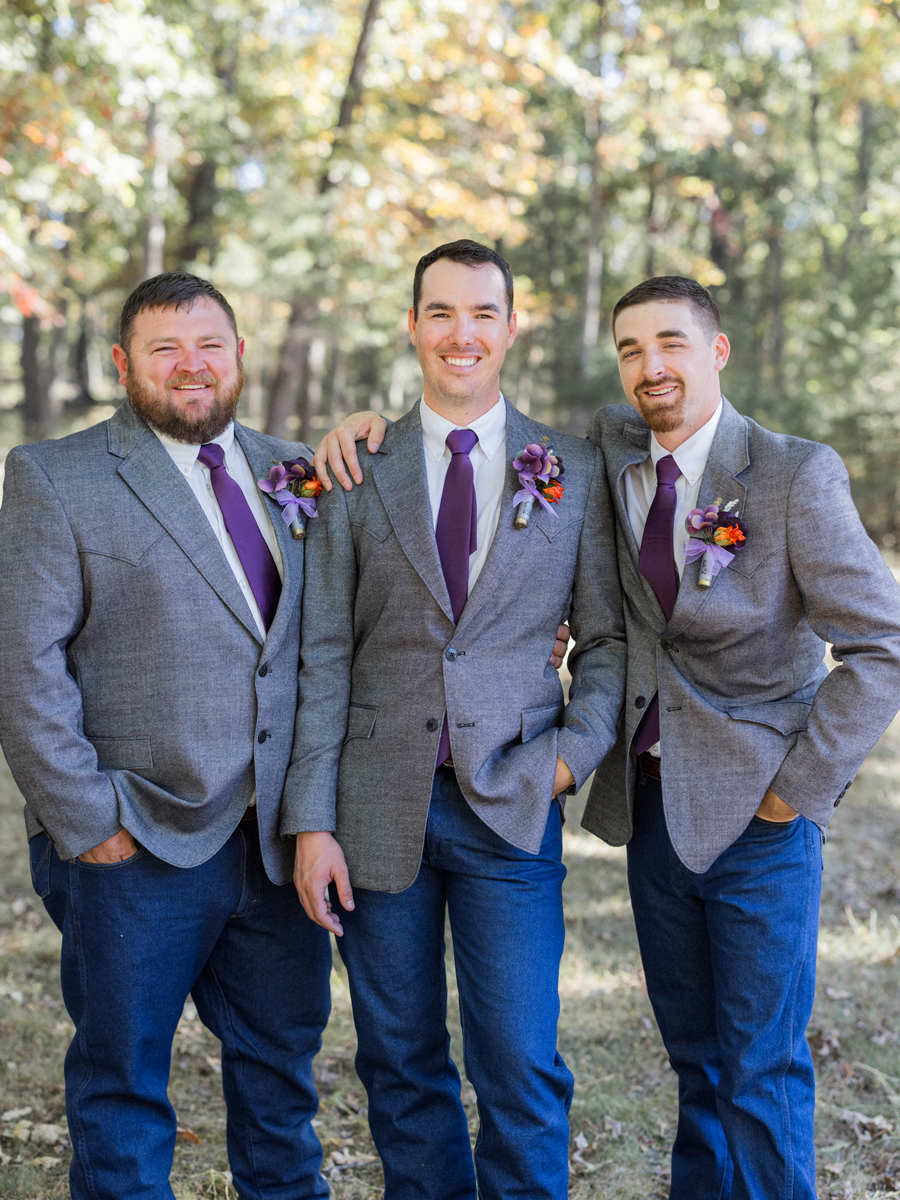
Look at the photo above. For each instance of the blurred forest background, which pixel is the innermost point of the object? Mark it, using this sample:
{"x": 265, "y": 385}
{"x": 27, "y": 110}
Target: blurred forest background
{"x": 303, "y": 156}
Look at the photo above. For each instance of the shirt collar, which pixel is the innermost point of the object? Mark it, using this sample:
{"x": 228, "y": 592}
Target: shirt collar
{"x": 490, "y": 427}
{"x": 691, "y": 455}
{"x": 185, "y": 454}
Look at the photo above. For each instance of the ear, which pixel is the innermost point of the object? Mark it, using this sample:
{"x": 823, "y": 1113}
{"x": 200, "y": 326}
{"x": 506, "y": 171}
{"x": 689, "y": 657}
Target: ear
{"x": 120, "y": 358}
{"x": 240, "y": 347}
{"x": 722, "y": 348}
{"x": 513, "y": 328}
{"x": 411, "y": 326}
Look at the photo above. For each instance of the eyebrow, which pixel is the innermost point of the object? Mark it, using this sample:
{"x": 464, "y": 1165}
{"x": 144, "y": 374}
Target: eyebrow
{"x": 206, "y": 337}
{"x": 436, "y": 305}
{"x": 661, "y": 336}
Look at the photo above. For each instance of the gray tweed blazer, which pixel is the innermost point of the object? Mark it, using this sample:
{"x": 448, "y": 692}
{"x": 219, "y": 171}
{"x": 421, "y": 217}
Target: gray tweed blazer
{"x": 135, "y": 691}
{"x": 382, "y": 660}
{"x": 745, "y": 699}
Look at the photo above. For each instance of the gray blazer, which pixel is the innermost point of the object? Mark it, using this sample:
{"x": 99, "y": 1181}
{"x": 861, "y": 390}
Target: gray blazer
{"x": 135, "y": 691}
{"x": 745, "y": 699}
{"x": 382, "y": 660}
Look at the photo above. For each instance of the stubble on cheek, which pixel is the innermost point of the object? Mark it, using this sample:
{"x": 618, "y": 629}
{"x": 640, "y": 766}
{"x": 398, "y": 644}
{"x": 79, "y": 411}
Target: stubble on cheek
{"x": 158, "y": 409}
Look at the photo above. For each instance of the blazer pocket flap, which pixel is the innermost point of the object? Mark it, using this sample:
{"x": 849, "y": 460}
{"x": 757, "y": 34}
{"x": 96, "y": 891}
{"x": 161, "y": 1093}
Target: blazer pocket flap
{"x": 536, "y": 720}
{"x": 787, "y": 716}
{"x": 126, "y": 545}
{"x": 375, "y": 524}
{"x": 123, "y": 753}
{"x": 360, "y": 721}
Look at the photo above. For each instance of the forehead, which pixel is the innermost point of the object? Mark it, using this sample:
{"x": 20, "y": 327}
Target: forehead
{"x": 448, "y": 281}
{"x": 204, "y": 318}
{"x": 646, "y": 321}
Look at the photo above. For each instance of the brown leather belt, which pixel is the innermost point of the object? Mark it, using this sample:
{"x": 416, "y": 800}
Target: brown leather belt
{"x": 650, "y": 766}
{"x": 250, "y": 813}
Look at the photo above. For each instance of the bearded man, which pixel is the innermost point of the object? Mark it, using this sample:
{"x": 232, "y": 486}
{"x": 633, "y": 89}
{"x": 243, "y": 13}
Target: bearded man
{"x": 148, "y": 684}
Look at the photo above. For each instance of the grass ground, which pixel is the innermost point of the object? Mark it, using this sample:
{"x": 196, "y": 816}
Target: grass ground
{"x": 624, "y": 1110}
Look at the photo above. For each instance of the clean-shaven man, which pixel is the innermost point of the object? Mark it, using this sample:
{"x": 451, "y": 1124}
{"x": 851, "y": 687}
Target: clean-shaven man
{"x": 737, "y": 744}
{"x": 434, "y": 739}
{"x": 149, "y": 626}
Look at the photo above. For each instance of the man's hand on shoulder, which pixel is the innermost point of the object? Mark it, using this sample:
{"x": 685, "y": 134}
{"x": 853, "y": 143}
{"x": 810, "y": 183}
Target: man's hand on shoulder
{"x": 318, "y": 860}
{"x": 115, "y": 849}
{"x": 338, "y": 448}
{"x": 773, "y": 808}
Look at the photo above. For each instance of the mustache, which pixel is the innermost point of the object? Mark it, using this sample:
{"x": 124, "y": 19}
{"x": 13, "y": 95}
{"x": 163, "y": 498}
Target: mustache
{"x": 203, "y": 377}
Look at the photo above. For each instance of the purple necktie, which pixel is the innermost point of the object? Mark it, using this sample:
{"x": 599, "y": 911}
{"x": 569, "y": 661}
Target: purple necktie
{"x": 256, "y": 557}
{"x": 657, "y": 564}
{"x": 457, "y": 534}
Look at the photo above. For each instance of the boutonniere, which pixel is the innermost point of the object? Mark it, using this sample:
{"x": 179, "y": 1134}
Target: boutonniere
{"x": 293, "y": 484}
{"x": 717, "y": 534}
{"x": 539, "y": 470}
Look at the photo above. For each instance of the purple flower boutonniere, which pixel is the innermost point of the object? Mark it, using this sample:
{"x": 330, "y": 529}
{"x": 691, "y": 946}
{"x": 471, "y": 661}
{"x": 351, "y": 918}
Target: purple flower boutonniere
{"x": 539, "y": 470}
{"x": 717, "y": 534}
{"x": 294, "y": 485}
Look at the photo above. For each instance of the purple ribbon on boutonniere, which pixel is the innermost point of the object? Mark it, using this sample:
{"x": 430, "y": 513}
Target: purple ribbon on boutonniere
{"x": 539, "y": 470}
{"x": 294, "y": 485}
{"x": 716, "y": 535}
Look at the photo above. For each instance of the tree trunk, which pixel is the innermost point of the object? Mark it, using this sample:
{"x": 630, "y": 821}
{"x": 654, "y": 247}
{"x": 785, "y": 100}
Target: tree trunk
{"x": 155, "y": 225}
{"x": 290, "y": 392}
{"x": 776, "y": 352}
{"x": 35, "y": 407}
{"x": 199, "y": 240}
{"x": 594, "y": 274}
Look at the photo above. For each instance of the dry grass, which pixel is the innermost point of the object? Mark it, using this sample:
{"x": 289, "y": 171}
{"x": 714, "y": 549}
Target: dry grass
{"x": 624, "y": 1110}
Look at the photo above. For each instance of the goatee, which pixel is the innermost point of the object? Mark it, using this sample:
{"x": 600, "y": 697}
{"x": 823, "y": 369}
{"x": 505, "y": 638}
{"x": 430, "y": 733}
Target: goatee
{"x": 662, "y": 418}
{"x": 157, "y": 408}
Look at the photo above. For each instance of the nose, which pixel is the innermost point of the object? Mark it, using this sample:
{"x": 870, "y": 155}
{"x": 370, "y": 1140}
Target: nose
{"x": 192, "y": 360}
{"x": 654, "y": 364}
{"x": 463, "y": 331}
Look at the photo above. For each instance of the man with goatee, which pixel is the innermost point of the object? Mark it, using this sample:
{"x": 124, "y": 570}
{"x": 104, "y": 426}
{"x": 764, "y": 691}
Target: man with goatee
{"x": 149, "y": 626}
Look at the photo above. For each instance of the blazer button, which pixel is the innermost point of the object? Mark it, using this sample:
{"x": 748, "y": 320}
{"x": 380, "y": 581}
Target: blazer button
{"x": 640, "y": 701}
{"x": 431, "y": 724}
{"x": 263, "y": 734}
{"x": 263, "y": 671}
{"x": 450, "y": 655}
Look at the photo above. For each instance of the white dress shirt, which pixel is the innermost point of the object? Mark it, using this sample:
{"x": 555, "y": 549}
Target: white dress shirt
{"x": 640, "y": 489}
{"x": 640, "y": 483}
{"x": 488, "y": 460}
{"x": 184, "y": 456}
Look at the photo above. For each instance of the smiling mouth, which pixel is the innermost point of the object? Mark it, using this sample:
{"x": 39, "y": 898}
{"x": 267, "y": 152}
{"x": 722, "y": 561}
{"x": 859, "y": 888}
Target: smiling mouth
{"x": 660, "y": 393}
{"x": 460, "y": 362}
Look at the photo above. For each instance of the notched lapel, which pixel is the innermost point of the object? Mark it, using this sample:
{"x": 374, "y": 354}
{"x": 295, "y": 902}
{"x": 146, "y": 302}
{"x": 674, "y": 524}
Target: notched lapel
{"x": 259, "y": 456}
{"x": 159, "y": 485}
{"x": 631, "y": 449}
{"x": 399, "y": 476}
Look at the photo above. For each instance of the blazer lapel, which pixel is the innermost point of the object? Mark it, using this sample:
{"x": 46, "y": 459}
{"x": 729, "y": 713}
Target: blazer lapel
{"x": 631, "y": 448}
{"x": 259, "y": 456}
{"x": 728, "y": 457}
{"x": 159, "y": 485}
{"x": 399, "y": 475}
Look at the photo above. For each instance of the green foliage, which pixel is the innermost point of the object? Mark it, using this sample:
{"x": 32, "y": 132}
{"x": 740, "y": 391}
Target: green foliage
{"x": 750, "y": 144}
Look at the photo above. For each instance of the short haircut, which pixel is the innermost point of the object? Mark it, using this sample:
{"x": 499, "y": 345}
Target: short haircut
{"x": 174, "y": 289}
{"x": 470, "y": 254}
{"x": 669, "y": 288}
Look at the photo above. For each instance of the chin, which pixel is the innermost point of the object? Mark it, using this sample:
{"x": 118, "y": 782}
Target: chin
{"x": 662, "y": 420}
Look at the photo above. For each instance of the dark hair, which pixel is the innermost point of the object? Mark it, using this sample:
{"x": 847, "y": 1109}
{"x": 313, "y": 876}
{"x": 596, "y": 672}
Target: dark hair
{"x": 470, "y": 254}
{"x": 674, "y": 287}
{"x": 174, "y": 289}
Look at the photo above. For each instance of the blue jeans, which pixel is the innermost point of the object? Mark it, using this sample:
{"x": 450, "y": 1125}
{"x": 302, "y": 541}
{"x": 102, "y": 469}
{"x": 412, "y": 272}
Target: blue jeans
{"x": 730, "y": 962}
{"x": 505, "y": 909}
{"x": 138, "y": 936}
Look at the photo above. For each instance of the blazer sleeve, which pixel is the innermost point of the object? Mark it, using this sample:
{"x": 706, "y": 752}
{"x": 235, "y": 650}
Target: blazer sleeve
{"x": 853, "y": 601}
{"x": 597, "y": 660}
{"x": 42, "y": 607}
{"x": 309, "y": 801}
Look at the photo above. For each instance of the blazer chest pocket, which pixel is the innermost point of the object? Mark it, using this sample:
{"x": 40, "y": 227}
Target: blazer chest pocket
{"x": 536, "y": 720}
{"x": 123, "y": 753}
{"x": 360, "y": 721}
{"x": 375, "y": 524}
{"x": 125, "y": 545}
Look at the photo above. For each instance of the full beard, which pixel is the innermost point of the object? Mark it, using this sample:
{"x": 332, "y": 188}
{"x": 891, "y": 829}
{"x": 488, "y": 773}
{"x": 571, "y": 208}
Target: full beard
{"x": 662, "y": 418}
{"x": 157, "y": 409}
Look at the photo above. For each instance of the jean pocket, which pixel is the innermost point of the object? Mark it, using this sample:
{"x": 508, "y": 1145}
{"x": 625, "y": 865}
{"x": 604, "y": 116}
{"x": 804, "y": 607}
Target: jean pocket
{"x": 761, "y": 825}
{"x": 111, "y": 866}
{"x": 40, "y": 849}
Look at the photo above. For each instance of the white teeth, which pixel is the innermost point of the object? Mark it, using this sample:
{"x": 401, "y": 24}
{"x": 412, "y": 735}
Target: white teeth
{"x": 461, "y": 362}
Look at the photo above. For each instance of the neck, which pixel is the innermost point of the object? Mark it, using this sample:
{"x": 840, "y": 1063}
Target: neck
{"x": 461, "y": 410}
{"x": 673, "y": 438}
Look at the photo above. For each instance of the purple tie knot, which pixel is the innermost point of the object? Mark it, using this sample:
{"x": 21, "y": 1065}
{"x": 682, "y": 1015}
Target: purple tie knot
{"x": 667, "y": 471}
{"x": 211, "y": 455}
{"x": 461, "y": 441}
